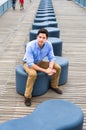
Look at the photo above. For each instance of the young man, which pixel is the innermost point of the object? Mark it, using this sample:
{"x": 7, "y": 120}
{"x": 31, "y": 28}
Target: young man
{"x": 36, "y": 51}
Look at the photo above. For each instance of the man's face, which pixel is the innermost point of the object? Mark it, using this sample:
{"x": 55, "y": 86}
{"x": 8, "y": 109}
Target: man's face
{"x": 41, "y": 38}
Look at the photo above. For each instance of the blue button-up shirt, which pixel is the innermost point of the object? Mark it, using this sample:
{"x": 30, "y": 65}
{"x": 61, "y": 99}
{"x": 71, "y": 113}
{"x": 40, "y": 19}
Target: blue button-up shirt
{"x": 34, "y": 54}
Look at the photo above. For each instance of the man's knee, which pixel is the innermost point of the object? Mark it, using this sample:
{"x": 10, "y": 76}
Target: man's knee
{"x": 57, "y": 67}
{"x": 33, "y": 73}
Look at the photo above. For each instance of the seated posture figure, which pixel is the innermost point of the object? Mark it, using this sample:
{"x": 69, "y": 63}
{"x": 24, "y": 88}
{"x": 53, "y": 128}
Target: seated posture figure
{"x": 36, "y": 51}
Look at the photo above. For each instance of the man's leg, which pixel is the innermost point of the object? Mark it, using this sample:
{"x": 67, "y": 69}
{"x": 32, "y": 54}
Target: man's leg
{"x": 32, "y": 74}
{"x": 55, "y": 79}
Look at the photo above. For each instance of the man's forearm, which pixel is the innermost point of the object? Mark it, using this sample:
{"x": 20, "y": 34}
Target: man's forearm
{"x": 51, "y": 64}
{"x": 48, "y": 70}
{"x": 36, "y": 67}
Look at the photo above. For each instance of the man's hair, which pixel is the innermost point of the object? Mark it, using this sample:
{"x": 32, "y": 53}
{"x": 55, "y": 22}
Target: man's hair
{"x": 42, "y": 30}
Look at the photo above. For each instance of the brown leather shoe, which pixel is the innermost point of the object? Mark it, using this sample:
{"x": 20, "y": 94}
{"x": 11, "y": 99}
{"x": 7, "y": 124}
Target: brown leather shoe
{"x": 57, "y": 90}
{"x": 27, "y": 101}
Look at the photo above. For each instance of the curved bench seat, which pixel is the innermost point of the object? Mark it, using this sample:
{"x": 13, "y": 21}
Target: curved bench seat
{"x": 42, "y": 82}
{"x": 45, "y": 11}
{"x": 45, "y": 15}
{"x": 50, "y": 115}
{"x": 44, "y": 24}
{"x": 52, "y": 32}
{"x": 44, "y": 19}
{"x": 41, "y": 85}
{"x": 57, "y": 45}
{"x": 64, "y": 63}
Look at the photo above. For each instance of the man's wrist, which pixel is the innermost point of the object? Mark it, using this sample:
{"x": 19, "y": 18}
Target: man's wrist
{"x": 50, "y": 67}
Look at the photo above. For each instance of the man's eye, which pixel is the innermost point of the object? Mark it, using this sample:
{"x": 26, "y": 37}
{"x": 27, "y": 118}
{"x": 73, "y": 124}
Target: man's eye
{"x": 42, "y": 37}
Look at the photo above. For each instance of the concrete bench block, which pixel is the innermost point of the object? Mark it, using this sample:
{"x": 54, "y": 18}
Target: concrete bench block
{"x": 57, "y": 45}
{"x": 41, "y": 84}
{"x": 44, "y": 24}
{"x": 64, "y": 63}
{"x": 44, "y": 19}
{"x": 45, "y": 11}
{"x": 52, "y": 32}
{"x": 45, "y": 4}
{"x": 45, "y": 15}
{"x": 49, "y": 115}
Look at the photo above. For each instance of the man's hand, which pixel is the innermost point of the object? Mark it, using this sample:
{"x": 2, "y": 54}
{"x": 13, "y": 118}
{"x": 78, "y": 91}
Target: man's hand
{"x": 50, "y": 71}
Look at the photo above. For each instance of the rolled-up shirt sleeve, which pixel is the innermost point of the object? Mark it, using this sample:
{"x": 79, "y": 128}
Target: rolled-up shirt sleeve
{"x": 51, "y": 56}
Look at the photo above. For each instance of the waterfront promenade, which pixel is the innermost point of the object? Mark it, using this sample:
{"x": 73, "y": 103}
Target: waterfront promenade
{"x": 14, "y": 33}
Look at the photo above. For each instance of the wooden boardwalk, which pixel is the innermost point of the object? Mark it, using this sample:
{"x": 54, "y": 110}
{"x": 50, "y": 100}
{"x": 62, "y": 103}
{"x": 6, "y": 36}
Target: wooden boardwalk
{"x": 14, "y": 31}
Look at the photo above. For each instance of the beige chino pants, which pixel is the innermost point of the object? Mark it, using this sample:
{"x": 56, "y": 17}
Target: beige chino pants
{"x": 32, "y": 74}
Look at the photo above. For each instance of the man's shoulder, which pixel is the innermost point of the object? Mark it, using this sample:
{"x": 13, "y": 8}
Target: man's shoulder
{"x": 31, "y": 43}
{"x": 48, "y": 42}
